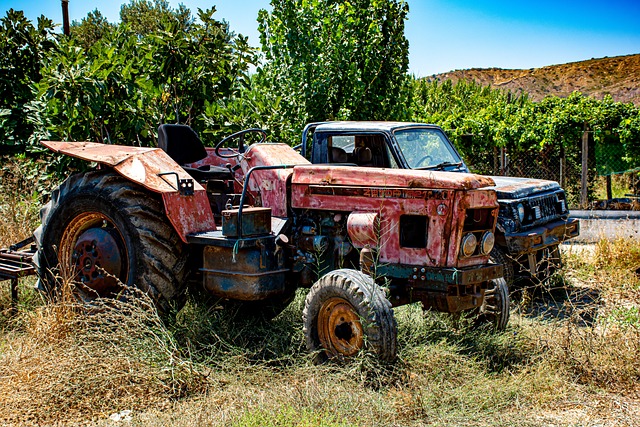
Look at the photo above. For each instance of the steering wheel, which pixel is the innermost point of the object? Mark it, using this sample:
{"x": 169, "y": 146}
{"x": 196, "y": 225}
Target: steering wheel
{"x": 422, "y": 160}
{"x": 241, "y": 147}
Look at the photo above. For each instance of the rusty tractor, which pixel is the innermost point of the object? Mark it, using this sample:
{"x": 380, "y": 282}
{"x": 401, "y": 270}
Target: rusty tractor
{"x": 253, "y": 223}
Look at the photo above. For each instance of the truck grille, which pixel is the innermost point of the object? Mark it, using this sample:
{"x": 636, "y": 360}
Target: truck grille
{"x": 544, "y": 208}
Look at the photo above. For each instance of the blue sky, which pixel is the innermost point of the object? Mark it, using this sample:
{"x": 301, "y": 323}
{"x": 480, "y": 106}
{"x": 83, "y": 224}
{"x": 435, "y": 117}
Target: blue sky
{"x": 448, "y": 35}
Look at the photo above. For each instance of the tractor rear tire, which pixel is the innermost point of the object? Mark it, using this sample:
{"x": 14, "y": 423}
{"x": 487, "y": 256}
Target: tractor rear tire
{"x": 495, "y": 307}
{"x": 102, "y": 231}
{"x": 346, "y": 311}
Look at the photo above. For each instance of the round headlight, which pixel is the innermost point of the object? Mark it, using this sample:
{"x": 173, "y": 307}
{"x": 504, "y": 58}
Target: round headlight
{"x": 520, "y": 209}
{"x": 486, "y": 242}
{"x": 468, "y": 245}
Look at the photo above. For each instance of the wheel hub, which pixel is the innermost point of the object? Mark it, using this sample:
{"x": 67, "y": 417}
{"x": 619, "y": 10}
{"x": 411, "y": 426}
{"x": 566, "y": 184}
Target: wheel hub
{"x": 339, "y": 328}
{"x": 97, "y": 260}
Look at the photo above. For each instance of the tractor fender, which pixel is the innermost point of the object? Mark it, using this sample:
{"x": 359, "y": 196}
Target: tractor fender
{"x": 154, "y": 170}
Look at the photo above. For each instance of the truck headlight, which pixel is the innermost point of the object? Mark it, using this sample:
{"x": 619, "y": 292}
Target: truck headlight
{"x": 520, "y": 209}
{"x": 468, "y": 245}
{"x": 486, "y": 242}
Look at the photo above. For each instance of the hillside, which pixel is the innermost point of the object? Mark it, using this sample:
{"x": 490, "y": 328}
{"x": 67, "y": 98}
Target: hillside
{"x": 618, "y": 76}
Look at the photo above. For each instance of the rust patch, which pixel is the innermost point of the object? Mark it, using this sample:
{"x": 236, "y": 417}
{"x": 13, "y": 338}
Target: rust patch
{"x": 187, "y": 214}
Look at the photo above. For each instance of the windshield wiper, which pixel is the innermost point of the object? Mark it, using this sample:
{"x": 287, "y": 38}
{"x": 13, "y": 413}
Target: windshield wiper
{"x": 441, "y": 166}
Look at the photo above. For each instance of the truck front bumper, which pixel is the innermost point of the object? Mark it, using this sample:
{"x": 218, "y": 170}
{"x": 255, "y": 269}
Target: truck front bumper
{"x": 541, "y": 237}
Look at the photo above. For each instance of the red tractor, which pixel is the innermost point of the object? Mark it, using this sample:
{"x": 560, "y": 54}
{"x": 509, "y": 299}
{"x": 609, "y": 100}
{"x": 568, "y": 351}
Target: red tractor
{"x": 253, "y": 224}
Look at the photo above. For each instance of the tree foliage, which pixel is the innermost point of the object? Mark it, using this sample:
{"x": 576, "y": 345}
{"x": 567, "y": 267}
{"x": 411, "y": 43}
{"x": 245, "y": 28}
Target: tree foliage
{"x": 91, "y": 29}
{"x": 23, "y": 50}
{"x": 329, "y": 59}
{"x": 124, "y": 84}
{"x": 500, "y": 119}
{"x": 144, "y": 17}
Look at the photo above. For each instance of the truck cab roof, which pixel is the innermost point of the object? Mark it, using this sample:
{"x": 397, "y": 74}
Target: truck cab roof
{"x": 368, "y": 126}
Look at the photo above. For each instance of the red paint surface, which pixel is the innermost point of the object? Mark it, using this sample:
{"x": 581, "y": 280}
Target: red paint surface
{"x": 188, "y": 214}
{"x": 270, "y": 186}
{"x": 363, "y": 229}
{"x": 387, "y": 196}
{"x": 377, "y": 177}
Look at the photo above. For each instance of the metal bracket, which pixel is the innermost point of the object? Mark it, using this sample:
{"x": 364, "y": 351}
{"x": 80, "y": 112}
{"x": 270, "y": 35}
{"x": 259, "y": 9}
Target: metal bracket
{"x": 184, "y": 186}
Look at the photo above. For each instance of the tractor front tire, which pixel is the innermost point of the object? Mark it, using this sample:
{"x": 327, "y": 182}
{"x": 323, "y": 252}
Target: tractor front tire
{"x": 346, "y": 311}
{"x": 106, "y": 234}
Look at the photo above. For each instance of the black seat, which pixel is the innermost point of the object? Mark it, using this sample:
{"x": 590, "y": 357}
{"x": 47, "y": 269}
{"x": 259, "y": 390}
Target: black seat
{"x": 362, "y": 156}
{"x": 184, "y": 146}
{"x": 338, "y": 155}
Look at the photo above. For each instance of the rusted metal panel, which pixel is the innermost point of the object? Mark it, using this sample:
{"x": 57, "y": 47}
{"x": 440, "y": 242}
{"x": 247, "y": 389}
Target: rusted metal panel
{"x": 140, "y": 165}
{"x": 543, "y": 236}
{"x": 94, "y": 151}
{"x": 475, "y": 199}
{"x": 269, "y": 187}
{"x": 153, "y": 169}
{"x": 244, "y": 273}
{"x": 389, "y": 209}
{"x": 445, "y": 210}
{"x": 364, "y": 229}
{"x": 255, "y": 221}
{"x": 514, "y": 188}
{"x": 377, "y": 177}
{"x": 189, "y": 214}
{"x": 443, "y": 289}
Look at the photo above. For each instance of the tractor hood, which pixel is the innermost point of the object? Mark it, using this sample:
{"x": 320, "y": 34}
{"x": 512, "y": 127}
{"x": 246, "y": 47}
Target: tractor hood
{"x": 518, "y": 188}
{"x": 399, "y": 178}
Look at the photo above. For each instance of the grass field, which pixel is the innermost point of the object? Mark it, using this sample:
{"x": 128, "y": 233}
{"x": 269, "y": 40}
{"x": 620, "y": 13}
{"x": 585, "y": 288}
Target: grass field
{"x": 570, "y": 356}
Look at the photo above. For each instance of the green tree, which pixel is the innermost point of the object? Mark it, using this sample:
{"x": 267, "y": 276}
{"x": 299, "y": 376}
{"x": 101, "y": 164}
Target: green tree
{"x": 145, "y": 16}
{"x": 329, "y": 59}
{"x": 23, "y": 49}
{"x": 121, "y": 88}
{"x": 91, "y": 28}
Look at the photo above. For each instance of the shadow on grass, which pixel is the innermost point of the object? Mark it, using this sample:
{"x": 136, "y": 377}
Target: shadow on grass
{"x": 558, "y": 300}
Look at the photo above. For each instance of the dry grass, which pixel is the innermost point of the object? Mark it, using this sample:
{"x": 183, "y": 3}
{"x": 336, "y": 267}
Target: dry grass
{"x": 68, "y": 362}
{"x": 569, "y": 357}
{"x": 21, "y": 191}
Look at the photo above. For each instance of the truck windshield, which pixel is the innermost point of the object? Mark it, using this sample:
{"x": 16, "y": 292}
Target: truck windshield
{"x": 427, "y": 149}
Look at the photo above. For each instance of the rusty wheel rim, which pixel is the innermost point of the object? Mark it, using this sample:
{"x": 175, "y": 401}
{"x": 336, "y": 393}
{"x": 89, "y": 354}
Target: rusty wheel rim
{"x": 339, "y": 328}
{"x": 93, "y": 250}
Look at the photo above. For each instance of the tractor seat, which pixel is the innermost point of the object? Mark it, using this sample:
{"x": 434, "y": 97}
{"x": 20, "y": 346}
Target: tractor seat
{"x": 184, "y": 146}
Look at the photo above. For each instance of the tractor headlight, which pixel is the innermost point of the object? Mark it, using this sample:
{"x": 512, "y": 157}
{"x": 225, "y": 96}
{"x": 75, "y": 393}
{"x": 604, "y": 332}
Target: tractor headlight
{"x": 520, "y": 209}
{"x": 468, "y": 245}
{"x": 486, "y": 242}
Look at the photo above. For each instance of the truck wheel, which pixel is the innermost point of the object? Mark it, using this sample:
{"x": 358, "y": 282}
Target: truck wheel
{"x": 498, "y": 256}
{"x": 102, "y": 231}
{"x": 346, "y": 311}
{"x": 495, "y": 307}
